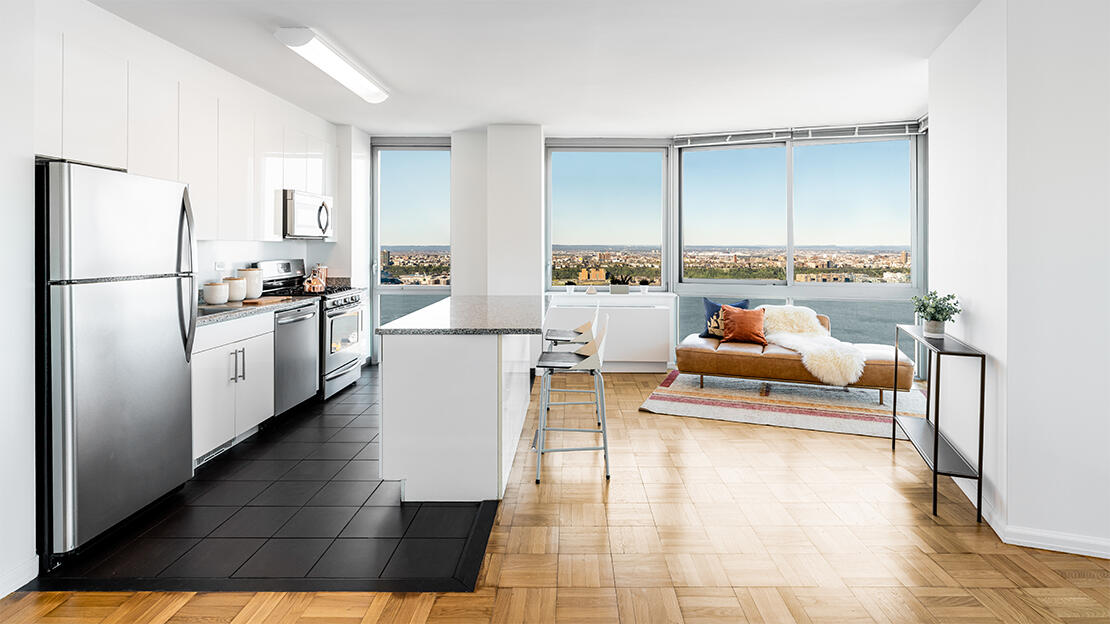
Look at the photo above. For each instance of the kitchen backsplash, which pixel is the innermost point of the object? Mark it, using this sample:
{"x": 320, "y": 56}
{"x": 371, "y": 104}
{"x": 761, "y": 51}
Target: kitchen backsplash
{"x": 240, "y": 254}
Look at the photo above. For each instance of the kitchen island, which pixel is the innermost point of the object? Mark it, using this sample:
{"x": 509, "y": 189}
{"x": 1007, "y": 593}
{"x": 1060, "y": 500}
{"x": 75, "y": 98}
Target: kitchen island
{"x": 455, "y": 390}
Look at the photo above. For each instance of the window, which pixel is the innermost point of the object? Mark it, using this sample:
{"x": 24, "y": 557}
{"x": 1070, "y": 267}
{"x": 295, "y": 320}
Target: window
{"x": 734, "y": 224}
{"x": 606, "y": 209}
{"x": 414, "y": 217}
{"x": 848, "y": 219}
{"x": 853, "y": 204}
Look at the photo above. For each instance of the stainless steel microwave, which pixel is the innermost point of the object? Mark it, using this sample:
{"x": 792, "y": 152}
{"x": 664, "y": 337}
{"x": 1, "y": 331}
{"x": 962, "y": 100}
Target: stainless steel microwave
{"x": 307, "y": 215}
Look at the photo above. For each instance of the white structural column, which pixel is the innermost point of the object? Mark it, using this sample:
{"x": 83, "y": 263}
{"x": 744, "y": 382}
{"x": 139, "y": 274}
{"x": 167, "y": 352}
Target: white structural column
{"x": 468, "y": 212}
{"x": 497, "y": 211}
{"x": 515, "y": 210}
{"x": 1019, "y": 225}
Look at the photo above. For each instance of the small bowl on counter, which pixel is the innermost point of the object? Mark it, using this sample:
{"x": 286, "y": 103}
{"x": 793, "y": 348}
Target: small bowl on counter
{"x": 236, "y": 288}
{"x": 216, "y": 293}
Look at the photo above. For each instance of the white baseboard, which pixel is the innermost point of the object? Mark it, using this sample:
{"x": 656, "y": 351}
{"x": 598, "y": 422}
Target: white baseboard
{"x": 1036, "y": 538}
{"x": 18, "y": 576}
{"x": 1088, "y": 545}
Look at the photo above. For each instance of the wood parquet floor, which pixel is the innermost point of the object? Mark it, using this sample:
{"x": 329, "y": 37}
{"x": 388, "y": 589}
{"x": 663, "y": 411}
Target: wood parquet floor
{"x": 703, "y": 521}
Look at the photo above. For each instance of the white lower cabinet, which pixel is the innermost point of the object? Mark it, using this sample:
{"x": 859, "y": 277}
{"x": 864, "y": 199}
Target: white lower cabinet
{"x": 233, "y": 391}
{"x": 254, "y": 394}
{"x": 213, "y": 399}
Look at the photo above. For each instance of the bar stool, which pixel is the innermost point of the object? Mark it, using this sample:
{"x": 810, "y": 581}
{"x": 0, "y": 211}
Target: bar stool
{"x": 561, "y": 339}
{"x": 587, "y": 359}
{"x": 581, "y": 334}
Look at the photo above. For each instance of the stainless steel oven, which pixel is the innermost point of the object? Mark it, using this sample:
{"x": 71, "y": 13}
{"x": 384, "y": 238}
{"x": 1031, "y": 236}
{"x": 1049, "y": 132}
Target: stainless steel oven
{"x": 345, "y": 330}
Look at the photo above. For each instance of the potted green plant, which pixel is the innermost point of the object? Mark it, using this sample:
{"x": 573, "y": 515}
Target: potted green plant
{"x": 644, "y": 286}
{"x": 618, "y": 284}
{"x": 935, "y": 311}
{"x": 570, "y": 286}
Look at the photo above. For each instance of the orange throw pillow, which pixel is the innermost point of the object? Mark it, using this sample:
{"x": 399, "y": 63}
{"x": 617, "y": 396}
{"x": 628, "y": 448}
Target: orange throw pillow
{"x": 740, "y": 325}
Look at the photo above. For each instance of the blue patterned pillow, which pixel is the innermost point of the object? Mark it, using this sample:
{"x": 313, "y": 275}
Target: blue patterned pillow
{"x": 713, "y": 317}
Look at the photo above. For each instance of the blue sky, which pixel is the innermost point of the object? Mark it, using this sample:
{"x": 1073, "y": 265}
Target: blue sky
{"x": 844, "y": 194}
{"x": 415, "y": 197}
{"x": 606, "y": 198}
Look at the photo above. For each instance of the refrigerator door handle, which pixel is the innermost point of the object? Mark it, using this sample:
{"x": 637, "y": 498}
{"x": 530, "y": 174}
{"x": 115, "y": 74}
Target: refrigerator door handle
{"x": 189, "y": 245}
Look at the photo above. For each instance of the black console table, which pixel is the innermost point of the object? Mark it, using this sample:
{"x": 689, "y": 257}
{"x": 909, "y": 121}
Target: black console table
{"x": 925, "y": 434}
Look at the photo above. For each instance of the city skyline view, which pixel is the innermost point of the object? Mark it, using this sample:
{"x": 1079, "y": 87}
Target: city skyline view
{"x": 852, "y": 207}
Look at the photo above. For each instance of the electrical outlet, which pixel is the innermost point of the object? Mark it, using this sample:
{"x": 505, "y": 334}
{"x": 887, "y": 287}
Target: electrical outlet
{"x": 221, "y": 266}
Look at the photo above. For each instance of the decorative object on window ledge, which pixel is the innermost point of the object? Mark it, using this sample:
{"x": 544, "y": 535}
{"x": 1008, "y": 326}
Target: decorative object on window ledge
{"x": 570, "y": 286}
{"x": 618, "y": 284}
{"x": 591, "y": 291}
{"x": 935, "y": 310}
{"x": 644, "y": 286}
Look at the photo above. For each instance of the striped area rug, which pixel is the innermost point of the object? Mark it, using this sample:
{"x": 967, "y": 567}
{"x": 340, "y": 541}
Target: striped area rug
{"x": 818, "y": 408}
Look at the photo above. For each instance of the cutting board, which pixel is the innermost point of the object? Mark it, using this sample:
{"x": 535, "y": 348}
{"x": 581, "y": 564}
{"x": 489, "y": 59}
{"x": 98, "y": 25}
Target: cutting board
{"x": 261, "y": 301}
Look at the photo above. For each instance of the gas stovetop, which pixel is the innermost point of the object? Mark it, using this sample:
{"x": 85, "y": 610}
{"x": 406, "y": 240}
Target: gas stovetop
{"x": 299, "y": 291}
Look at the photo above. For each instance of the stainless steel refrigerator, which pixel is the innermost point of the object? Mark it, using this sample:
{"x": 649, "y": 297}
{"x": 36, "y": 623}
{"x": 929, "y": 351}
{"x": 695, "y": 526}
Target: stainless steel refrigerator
{"x": 121, "y": 295}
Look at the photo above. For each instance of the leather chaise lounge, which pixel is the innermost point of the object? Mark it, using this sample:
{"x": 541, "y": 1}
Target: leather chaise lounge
{"x": 710, "y": 356}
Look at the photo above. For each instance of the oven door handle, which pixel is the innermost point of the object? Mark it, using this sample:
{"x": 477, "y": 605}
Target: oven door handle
{"x": 342, "y": 311}
{"x": 343, "y": 371}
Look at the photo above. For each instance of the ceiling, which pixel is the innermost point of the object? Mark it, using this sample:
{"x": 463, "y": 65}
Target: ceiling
{"x": 581, "y": 67}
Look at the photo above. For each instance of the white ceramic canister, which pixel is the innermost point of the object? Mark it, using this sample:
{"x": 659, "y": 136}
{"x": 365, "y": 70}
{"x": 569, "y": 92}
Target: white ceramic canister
{"x": 254, "y": 282}
{"x": 236, "y": 288}
{"x": 215, "y": 293}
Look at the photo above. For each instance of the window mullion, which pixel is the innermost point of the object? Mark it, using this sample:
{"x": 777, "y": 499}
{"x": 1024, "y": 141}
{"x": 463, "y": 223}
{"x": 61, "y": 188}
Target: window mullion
{"x": 789, "y": 216}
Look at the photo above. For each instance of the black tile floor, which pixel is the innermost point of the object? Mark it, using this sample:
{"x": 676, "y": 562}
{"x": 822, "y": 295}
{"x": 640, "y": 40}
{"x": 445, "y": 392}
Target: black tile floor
{"x": 299, "y": 506}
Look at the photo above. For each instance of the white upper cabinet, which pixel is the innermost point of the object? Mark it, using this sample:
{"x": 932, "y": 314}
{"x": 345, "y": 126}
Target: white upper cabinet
{"x": 197, "y": 156}
{"x": 235, "y": 179}
{"x": 94, "y": 104}
{"x": 331, "y": 170}
{"x": 151, "y": 123}
{"x": 269, "y": 171}
{"x": 296, "y": 169}
{"x": 314, "y": 165}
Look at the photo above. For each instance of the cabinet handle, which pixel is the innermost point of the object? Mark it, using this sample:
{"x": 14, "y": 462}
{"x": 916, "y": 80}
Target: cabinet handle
{"x": 235, "y": 366}
{"x": 243, "y": 371}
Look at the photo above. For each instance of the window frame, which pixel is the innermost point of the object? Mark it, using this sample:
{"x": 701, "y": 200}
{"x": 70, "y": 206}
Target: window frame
{"x": 387, "y": 144}
{"x": 790, "y": 289}
{"x": 664, "y": 147}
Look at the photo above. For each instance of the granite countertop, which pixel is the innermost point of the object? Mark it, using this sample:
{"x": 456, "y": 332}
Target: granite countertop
{"x": 473, "y": 315}
{"x": 236, "y": 310}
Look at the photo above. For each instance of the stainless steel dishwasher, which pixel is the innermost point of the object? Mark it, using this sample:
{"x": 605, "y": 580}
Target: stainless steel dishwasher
{"x": 296, "y": 355}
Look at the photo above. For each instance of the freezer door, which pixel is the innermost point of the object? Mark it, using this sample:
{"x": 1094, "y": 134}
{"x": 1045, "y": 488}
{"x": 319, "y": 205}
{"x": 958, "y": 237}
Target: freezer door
{"x": 121, "y": 403}
{"x": 106, "y": 224}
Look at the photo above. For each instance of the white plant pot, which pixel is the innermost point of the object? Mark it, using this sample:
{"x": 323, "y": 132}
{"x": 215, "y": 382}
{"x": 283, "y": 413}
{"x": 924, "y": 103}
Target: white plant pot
{"x": 570, "y": 289}
{"x": 933, "y": 329}
{"x": 644, "y": 290}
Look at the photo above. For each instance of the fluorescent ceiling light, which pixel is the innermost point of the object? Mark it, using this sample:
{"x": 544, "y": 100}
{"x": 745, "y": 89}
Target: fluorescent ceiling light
{"x": 315, "y": 50}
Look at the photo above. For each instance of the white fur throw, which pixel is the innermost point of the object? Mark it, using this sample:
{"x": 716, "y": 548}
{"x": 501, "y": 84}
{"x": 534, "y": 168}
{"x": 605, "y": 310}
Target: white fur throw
{"x": 828, "y": 359}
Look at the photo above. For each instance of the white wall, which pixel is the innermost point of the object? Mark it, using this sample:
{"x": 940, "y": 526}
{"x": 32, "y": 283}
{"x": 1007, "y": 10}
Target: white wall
{"x": 967, "y": 226}
{"x": 468, "y": 212}
{"x": 18, "y": 563}
{"x": 1020, "y": 230}
{"x": 1058, "y": 229}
